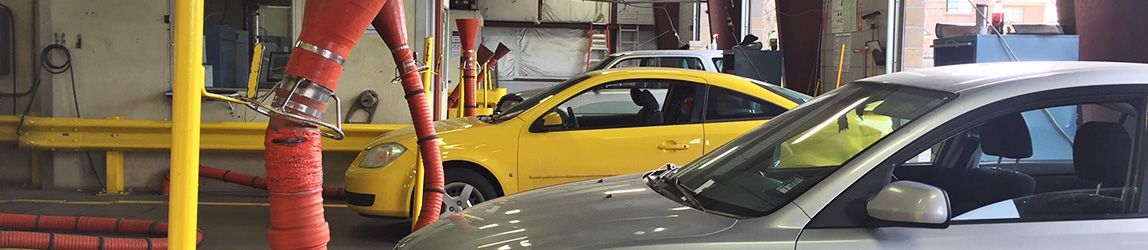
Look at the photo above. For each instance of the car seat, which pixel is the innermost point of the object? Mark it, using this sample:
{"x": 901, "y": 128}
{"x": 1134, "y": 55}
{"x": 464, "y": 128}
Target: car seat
{"x": 971, "y": 188}
{"x": 649, "y": 113}
{"x": 1100, "y": 153}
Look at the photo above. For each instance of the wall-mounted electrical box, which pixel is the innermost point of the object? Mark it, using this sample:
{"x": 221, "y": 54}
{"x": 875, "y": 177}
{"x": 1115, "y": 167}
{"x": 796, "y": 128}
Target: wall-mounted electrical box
{"x": 7, "y": 37}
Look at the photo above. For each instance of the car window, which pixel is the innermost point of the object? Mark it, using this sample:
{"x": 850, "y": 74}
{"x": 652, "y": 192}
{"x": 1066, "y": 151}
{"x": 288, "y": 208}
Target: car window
{"x": 718, "y": 63}
{"x": 680, "y": 62}
{"x": 724, "y": 104}
{"x": 629, "y": 63}
{"x": 666, "y": 62}
{"x": 629, "y": 104}
{"x": 1081, "y": 170}
{"x": 1051, "y": 130}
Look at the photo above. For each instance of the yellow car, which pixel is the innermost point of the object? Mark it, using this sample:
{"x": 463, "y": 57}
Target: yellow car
{"x": 602, "y": 123}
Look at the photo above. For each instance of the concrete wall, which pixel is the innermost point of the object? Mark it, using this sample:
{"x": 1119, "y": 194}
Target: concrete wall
{"x": 123, "y": 68}
{"x": 858, "y": 65}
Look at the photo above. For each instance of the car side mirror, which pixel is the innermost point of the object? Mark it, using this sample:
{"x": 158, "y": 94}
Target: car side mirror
{"x": 552, "y": 119}
{"x": 910, "y": 204}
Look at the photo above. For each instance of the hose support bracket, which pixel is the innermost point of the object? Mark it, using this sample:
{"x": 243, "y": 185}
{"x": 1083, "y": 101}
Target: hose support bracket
{"x": 291, "y": 98}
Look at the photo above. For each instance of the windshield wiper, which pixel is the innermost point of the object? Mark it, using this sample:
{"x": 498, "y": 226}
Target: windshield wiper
{"x": 687, "y": 196}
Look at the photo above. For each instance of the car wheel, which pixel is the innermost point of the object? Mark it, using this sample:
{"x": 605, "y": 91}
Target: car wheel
{"x": 465, "y": 188}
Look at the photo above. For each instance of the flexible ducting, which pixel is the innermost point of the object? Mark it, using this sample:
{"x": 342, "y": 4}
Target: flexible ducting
{"x": 484, "y": 55}
{"x": 293, "y": 151}
{"x": 468, "y": 33}
{"x": 241, "y": 179}
{"x": 18, "y": 233}
{"x": 391, "y": 24}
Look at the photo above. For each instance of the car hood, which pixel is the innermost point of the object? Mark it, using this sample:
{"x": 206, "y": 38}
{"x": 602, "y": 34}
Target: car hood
{"x": 441, "y": 127}
{"x": 598, "y": 213}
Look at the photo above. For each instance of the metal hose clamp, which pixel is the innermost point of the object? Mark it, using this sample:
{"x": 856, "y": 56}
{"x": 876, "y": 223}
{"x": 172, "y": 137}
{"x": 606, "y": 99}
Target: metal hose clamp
{"x": 321, "y": 52}
{"x": 291, "y": 110}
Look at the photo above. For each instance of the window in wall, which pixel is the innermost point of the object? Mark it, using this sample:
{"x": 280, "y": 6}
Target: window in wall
{"x": 959, "y": 6}
{"x": 1014, "y": 15}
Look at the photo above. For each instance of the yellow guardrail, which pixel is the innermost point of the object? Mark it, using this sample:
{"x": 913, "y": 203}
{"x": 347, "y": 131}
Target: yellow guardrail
{"x": 8, "y": 125}
{"x": 116, "y": 135}
{"x": 55, "y": 133}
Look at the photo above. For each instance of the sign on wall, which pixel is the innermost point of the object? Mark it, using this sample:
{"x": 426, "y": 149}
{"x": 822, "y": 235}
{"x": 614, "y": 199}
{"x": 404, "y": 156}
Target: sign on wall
{"x": 843, "y": 16}
{"x": 838, "y": 40}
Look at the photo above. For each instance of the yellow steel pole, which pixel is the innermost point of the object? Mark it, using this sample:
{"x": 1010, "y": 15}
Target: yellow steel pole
{"x": 840, "y": 64}
{"x": 485, "y": 91}
{"x": 417, "y": 199}
{"x": 428, "y": 76}
{"x": 182, "y": 211}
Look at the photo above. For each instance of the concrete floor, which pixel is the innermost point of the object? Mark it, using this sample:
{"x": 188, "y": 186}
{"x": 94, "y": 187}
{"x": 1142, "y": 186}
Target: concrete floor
{"x": 228, "y": 219}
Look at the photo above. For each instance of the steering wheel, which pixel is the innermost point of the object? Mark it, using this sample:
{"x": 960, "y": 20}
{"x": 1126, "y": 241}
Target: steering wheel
{"x": 573, "y": 120}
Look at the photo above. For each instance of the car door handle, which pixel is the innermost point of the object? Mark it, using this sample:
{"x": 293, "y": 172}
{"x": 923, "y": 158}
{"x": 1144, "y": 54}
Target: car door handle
{"x": 673, "y": 146}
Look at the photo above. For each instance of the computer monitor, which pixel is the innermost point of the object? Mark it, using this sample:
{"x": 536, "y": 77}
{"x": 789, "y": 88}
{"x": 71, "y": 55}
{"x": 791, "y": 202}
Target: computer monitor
{"x": 273, "y": 68}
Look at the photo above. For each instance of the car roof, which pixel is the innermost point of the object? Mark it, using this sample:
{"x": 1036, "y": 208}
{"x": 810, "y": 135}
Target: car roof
{"x": 987, "y": 76}
{"x": 702, "y": 53}
{"x": 729, "y": 81}
{"x": 718, "y": 79}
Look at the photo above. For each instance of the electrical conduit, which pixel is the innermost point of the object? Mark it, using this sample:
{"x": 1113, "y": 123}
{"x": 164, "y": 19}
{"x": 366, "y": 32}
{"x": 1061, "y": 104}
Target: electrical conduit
{"x": 391, "y": 24}
{"x": 293, "y": 151}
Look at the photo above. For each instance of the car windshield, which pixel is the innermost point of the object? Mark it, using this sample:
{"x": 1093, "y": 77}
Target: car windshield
{"x": 531, "y": 101}
{"x": 771, "y": 165}
{"x": 602, "y": 64}
{"x": 790, "y": 94}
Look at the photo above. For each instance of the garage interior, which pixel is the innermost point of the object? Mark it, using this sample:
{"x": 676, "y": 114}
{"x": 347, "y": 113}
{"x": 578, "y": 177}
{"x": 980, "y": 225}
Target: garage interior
{"x": 175, "y": 113}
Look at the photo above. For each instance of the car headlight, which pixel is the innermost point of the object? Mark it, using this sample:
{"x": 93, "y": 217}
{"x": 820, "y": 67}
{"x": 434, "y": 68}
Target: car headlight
{"x": 382, "y": 155}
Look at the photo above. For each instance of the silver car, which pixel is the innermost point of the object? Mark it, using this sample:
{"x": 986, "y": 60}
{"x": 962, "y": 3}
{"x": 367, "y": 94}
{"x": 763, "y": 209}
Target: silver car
{"x": 704, "y": 60}
{"x": 1039, "y": 155}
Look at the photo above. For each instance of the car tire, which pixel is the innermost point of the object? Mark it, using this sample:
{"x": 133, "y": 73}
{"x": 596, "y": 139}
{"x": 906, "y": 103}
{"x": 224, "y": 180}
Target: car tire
{"x": 457, "y": 180}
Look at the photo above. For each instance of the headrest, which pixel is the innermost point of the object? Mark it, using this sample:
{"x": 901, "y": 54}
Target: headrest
{"x": 648, "y": 100}
{"x": 1100, "y": 152}
{"x": 1006, "y": 136}
{"x": 636, "y": 95}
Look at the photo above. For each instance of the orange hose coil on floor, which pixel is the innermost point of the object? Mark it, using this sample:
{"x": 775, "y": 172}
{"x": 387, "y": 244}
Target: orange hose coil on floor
{"x": 391, "y": 24}
{"x": 241, "y": 179}
{"x": 80, "y": 224}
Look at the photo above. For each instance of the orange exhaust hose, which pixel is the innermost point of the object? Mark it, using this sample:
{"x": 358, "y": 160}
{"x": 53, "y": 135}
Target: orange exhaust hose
{"x": 241, "y": 179}
{"x": 468, "y": 33}
{"x": 334, "y": 25}
{"x": 50, "y": 240}
{"x": 294, "y": 166}
{"x": 293, "y": 152}
{"x": 391, "y": 24}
